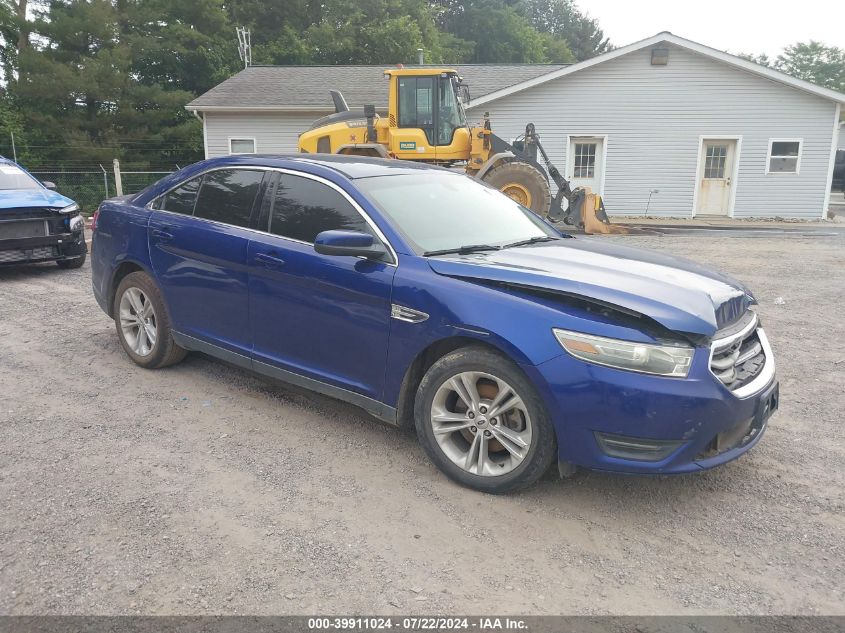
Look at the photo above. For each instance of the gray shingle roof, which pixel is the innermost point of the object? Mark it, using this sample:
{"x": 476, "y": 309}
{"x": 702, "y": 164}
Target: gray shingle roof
{"x": 307, "y": 87}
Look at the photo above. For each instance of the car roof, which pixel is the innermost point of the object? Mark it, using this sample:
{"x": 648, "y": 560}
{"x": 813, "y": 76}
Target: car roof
{"x": 351, "y": 167}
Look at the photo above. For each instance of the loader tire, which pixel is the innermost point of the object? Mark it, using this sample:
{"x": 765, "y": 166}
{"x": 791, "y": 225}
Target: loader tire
{"x": 523, "y": 183}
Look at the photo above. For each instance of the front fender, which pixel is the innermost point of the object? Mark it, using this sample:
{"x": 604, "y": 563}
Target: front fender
{"x": 457, "y": 308}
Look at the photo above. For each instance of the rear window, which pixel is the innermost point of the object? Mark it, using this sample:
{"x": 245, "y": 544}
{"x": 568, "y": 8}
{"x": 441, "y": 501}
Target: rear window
{"x": 13, "y": 177}
{"x": 181, "y": 199}
{"x": 228, "y": 195}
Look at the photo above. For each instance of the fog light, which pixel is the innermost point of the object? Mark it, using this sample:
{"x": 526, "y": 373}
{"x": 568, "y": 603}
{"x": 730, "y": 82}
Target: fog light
{"x": 77, "y": 223}
{"x": 636, "y": 448}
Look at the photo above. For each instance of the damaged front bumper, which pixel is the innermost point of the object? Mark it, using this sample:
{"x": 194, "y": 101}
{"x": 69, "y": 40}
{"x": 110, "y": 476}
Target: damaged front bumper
{"x": 54, "y": 247}
{"x": 613, "y": 420}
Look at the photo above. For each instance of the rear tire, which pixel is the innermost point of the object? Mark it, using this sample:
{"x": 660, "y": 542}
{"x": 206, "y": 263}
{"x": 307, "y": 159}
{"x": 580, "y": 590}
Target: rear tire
{"x": 522, "y": 183}
{"x": 69, "y": 264}
{"x": 506, "y": 430}
{"x": 142, "y": 323}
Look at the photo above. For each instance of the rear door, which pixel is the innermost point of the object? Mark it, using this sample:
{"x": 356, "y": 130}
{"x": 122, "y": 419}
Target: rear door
{"x": 323, "y": 317}
{"x": 198, "y": 241}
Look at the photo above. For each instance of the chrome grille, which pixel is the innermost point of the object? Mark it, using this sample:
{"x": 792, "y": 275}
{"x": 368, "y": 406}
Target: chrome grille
{"x": 738, "y": 353}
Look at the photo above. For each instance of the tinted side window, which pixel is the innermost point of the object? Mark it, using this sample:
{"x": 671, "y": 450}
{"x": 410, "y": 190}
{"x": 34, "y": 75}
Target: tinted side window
{"x": 304, "y": 207}
{"x": 181, "y": 199}
{"x": 227, "y": 195}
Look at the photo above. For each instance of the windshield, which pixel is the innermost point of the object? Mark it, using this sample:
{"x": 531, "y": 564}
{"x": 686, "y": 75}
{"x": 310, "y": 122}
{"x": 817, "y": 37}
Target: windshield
{"x": 13, "y": 177}
{"x": 440, "y": 211}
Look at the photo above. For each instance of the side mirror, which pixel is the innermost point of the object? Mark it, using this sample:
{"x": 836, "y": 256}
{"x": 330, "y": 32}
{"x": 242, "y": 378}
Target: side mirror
{"x": 49, "y": 185}
{"x": 348, "y": 243}
{"x": 463, "y": 93}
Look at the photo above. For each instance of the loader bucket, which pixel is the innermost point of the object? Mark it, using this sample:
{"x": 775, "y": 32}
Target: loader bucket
{"x": 595, "y": 218}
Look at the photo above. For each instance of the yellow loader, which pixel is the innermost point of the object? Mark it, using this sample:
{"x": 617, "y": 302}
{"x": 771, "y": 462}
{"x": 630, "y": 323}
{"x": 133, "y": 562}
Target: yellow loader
{"x": 426, "y": 122}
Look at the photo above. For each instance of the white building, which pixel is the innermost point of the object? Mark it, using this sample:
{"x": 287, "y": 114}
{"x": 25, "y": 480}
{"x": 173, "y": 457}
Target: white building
{"x": 663, "y": 127}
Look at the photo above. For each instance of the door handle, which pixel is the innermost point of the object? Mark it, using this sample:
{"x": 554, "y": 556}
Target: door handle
{"x": 164, "y": 236}
{"x": 269, "y": 261}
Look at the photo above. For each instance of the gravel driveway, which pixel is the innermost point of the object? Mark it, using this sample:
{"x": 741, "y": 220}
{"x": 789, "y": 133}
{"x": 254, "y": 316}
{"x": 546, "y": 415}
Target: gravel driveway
{"x": 204, "y": 489}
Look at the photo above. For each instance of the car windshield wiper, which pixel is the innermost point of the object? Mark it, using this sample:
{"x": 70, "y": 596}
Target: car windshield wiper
{"x": 533, "y": 240}
{"x": 463, "y": 250}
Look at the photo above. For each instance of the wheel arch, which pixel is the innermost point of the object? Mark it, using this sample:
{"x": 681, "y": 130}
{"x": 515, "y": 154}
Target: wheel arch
{"x": 423, "y": 362}
{"x": 124, "y": 268}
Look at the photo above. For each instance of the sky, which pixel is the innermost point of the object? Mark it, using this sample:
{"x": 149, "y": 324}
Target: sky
{"x": 736, "y": 26}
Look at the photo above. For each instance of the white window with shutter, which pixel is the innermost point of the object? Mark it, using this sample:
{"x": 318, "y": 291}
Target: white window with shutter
{"x": 784, "y": 156}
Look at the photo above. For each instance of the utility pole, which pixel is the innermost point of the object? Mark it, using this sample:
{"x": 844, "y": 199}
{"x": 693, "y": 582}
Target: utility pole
{"x": 14, "y": 153}
{"x": 244, "y": 45}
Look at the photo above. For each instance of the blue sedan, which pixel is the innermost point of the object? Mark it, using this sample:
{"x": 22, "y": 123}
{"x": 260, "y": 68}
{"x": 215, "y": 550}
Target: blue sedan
{"x": 37, "y": 224}
{"x": 433, "y": 301}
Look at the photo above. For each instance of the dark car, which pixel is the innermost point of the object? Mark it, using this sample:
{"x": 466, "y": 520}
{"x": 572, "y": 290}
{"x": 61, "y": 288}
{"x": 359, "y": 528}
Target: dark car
{"x": 433, "y": 301}
{"x": 839, "y": 171}
{"x": 37, "y": 224}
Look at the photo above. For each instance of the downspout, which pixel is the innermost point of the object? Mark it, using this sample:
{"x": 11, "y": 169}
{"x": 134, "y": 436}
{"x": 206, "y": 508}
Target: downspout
{"x": 201, "y": 119}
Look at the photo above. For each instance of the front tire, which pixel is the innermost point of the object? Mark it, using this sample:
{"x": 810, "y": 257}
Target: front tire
{"x": 522, "y": 183}
{"x": 482, "y": 423}
{"x": 142, "y": 322}
{"x": 69, "y": 264}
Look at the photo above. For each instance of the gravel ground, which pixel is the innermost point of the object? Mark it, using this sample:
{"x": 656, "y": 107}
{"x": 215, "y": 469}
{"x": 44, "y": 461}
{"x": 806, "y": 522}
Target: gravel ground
{"x": 203, "y": 489}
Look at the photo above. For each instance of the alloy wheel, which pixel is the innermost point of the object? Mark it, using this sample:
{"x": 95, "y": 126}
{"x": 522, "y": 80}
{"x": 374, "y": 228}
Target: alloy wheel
{"x": 481, "y": 423}
{"x": 138, "y": 321}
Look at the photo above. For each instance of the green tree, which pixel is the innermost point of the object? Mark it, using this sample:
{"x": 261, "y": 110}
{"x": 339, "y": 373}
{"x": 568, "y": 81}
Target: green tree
{"x": 563, "y": 20}
{"x": 811, "y": 61}
{"x": 498, "y": 32}
{"x": 110, "y": 79}
{"x": 376, "y": 32}
{"x": 12, "y": 122}
{"x": 815, "y": 62}
{"x": 501, "y": 31}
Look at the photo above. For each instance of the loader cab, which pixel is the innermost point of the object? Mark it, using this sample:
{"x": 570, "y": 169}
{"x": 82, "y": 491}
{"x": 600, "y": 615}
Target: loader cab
{"x": 430, "y": 122}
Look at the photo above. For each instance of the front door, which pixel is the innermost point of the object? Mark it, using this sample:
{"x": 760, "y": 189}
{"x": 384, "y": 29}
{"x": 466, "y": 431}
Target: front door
{"x": 716, "y": 170}
{"x": 320, "y": 316}
{"x": 584, "y": 163}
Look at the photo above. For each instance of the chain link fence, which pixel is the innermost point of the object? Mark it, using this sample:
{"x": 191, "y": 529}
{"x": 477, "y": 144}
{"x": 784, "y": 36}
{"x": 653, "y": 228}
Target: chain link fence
{"x": 90, "y": 188}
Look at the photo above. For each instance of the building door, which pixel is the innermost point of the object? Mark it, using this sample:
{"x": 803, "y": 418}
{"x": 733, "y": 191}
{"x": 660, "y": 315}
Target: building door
{"x": 716, "y": 171}
{"x": 584, "y": 165}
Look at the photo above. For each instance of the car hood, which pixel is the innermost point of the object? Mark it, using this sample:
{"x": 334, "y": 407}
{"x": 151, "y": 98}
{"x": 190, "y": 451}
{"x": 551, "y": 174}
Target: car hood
{"x": 17, "y": 198}
{"x": 677, "y": 293}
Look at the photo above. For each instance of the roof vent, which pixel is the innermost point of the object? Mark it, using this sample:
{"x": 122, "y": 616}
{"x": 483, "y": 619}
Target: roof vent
{"x": 659, "y": 56}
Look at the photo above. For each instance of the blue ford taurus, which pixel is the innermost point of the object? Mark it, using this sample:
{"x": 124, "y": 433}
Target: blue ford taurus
{"x": 431, "y": 300}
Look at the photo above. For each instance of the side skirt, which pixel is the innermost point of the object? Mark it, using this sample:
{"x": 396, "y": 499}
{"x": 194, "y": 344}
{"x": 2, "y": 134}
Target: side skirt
{"x": 375, "y": 408}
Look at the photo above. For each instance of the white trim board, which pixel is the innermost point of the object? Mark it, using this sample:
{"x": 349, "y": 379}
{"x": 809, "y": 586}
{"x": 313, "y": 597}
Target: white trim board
{"x": 306, "y": 109}
{"x": 834, "y": 144}
{"x": 204, "y": 134}
{"x": 734, "y": 174}
{"x": 665, "y": 36}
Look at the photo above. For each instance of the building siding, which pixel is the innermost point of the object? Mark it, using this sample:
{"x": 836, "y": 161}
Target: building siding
{"x": 274, "y": 132}
{"x": 654, "y": 116}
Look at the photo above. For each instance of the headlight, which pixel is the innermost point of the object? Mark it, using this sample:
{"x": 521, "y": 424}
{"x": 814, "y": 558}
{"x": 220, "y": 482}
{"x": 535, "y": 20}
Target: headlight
{"x": 662, "y": 360}
{"x": 71, "y": 208}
